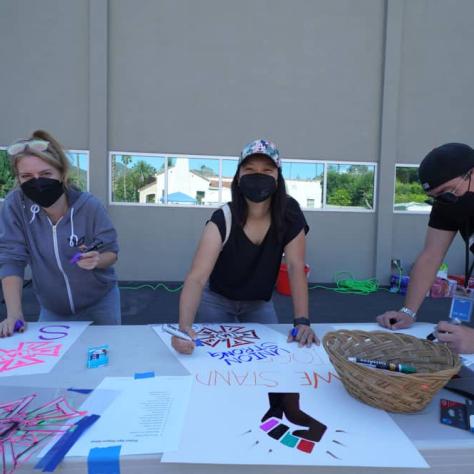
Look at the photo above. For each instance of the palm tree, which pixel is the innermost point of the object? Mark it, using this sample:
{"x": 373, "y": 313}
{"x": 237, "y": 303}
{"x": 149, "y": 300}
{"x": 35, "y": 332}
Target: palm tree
{"x": 126, "y": 159}
{"x": 78, "y": 166}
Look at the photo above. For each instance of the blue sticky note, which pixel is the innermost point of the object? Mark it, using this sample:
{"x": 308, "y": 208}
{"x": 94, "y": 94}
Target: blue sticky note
{"x": 104, "y": 460}
{"x": 144, "y": 375}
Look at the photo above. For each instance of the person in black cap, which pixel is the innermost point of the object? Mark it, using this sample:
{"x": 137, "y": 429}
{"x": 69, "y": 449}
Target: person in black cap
{"x": 446, "y": 176}
{"x": 236, "y": 264}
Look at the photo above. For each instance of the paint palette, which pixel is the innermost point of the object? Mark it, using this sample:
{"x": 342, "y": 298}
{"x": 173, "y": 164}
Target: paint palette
{"x": 279, "y": 431}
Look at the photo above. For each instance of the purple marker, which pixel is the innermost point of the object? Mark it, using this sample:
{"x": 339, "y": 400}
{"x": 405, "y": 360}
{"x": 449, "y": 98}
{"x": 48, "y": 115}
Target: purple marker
{"x": 77, "y": 256}
{"x": 19, "y": 324}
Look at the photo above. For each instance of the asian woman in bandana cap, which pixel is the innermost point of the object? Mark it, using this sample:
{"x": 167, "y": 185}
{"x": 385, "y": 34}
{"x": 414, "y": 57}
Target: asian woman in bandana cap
{"x": 236, "y": 264}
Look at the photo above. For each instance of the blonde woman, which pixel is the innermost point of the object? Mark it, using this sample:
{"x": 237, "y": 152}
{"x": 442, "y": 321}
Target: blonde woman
{"x": 65, "y": 235}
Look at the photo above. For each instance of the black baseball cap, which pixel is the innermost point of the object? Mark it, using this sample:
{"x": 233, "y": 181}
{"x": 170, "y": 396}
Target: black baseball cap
{"x": 444, "y": 163}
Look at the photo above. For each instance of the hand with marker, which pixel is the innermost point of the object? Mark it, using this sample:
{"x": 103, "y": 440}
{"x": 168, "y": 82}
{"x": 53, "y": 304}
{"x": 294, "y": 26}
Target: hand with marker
{"x": 11, "y": 325}
{"x": 394, "y": 320}
{"x": 459, "y": 338}
{"x": 89, "y": 260}
{"x": 184, "y": 346}
{"x": 303, "y": 335}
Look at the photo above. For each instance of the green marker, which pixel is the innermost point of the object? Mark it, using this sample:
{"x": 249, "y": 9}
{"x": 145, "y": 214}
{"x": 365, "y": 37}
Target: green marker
{"x": 378, "y": 364}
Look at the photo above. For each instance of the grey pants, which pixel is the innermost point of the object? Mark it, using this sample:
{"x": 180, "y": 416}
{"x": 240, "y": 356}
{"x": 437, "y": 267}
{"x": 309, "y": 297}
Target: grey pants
{"x": 105, "y": 311}
{"x": 215, "y": 308}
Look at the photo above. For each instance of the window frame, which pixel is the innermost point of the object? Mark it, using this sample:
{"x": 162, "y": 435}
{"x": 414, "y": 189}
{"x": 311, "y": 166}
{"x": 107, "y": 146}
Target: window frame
{"x": 221, "y": 159}
{"x": 87, "y": 153}
{"x": 166, "y": 156}
{"x": 349, "y": 208}
{"x": 405, "y": 165}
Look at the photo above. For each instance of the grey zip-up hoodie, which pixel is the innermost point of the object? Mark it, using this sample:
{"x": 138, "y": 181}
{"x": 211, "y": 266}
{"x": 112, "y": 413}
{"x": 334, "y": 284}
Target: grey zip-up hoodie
{"x": 28, "y": 237}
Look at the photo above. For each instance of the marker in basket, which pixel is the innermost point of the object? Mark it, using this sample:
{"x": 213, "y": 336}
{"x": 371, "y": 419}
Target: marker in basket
{"x": 379, "y": 364}
{"x": 180, "y": 334}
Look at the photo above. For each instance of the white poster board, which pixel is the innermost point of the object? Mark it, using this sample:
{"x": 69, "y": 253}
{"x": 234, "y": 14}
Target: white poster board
{"x": 262, "y": 400}
{"x": 230, "y": 347}
{"x": 321, "y": 426}
{"x": 39, "y": 348}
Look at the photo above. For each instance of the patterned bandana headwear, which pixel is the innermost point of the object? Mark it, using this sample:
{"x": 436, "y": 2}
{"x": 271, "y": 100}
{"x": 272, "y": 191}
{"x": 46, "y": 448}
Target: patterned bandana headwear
{"x": 261, "y": 147}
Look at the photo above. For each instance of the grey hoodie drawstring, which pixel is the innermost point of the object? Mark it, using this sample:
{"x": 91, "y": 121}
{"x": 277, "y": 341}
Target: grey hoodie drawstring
{"x": 73, "y": 237}
{"x": 34, "y": 210}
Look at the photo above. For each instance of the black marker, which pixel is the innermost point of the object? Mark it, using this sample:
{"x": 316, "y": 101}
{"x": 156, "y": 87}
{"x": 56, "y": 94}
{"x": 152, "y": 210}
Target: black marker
{"x": 431, "y": 337}
{"x": 379, "y": 364}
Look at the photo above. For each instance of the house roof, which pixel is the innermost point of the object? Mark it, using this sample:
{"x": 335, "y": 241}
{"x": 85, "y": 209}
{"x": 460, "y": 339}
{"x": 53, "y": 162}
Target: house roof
{"x": 179, "y": 197}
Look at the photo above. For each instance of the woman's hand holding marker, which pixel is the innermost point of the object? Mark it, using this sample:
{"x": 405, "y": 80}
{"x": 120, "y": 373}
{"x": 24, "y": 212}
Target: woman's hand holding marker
{"x": 395, "y": 320}
{"x": 89, "y": 260}
{"x": 11, "y": 325}
{"x": 304, "y": 335}
{"x": 459, "y": 339}
{"x": 182, "y": 345}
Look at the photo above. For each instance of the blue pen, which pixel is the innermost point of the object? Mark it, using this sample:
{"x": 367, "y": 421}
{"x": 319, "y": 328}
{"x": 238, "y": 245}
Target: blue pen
{"x": 294, "y": 332}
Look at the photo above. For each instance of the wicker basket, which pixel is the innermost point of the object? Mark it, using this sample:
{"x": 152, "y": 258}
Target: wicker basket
{"x": 391, "y": 391}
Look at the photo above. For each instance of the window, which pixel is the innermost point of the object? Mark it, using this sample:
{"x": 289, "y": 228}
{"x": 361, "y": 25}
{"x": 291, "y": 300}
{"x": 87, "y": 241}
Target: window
{"x": 194, "y": 182}
{"x": 197, "y": 181}
{"x": 174, "y": 180}
{"x": 7, "y": 178}
{"x": 350, "y": 185}
{"x": 229, "y": 168}
{"x": 137, "y": 178}
{"x": 78, "y": 172}
{"x": 409, "y": 194}
{"x": 304, "y": 182}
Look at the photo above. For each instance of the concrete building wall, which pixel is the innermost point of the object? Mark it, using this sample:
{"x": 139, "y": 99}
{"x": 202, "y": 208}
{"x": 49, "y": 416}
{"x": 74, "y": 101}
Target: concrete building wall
{"x": 379, "y": 81}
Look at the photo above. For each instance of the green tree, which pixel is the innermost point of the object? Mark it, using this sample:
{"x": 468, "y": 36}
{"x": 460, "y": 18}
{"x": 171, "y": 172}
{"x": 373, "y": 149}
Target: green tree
{"x": 409, "y": 192}
{"x": 77, "y": 175}
{"x": 138, "y": 176}
{"x": 205, "y": 171}
{"x": 170, "y": 161}
{"x": 407, "y": 186}
{"x": 7, "y": 178}
{"x": 126, "y": 160}
{"x": 353, "y": 187}
{"x": 339, "y": 197}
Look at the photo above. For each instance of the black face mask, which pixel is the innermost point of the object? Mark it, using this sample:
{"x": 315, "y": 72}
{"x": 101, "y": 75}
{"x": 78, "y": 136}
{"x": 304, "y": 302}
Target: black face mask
{"x": 257, "y": 187}
{"x": 463, "y": 207}
{"x": 460, "y": 207}
{"x": 43, "y": 191}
